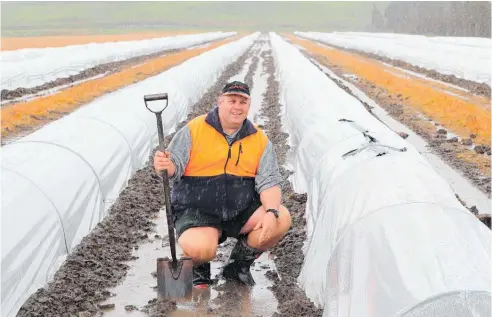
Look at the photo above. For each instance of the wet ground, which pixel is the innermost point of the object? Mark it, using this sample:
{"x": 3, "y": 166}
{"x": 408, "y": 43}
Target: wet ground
{"x": 474, "y": 87}
{"x": 471, "y": 160}
{"x": 133, "y": 294}
{"x": 467, "y": 192}
{"x": 24, "y": 94}
{"x": 112, "y": 271}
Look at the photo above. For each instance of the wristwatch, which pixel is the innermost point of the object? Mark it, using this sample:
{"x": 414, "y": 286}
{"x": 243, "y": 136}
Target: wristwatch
{"x": 274, "y": 211}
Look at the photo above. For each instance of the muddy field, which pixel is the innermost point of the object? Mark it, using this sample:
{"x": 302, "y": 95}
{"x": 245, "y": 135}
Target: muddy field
{"x": 95, "y": 278}
{"x": 474, "y": 87}
{"x": 82, "y": 287}
{"x": 448, "y": 148}
{"x": 102, "y": 69}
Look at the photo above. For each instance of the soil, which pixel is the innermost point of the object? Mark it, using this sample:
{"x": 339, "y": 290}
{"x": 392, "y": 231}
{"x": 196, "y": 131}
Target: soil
{"x": 474, "y": 87}
{"x": 109, "y": 68}
{"x": 288, "y": 252}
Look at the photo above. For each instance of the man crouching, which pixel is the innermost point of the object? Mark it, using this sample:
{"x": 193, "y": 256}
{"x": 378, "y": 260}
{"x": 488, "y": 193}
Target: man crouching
{"x": 226, "y": 184}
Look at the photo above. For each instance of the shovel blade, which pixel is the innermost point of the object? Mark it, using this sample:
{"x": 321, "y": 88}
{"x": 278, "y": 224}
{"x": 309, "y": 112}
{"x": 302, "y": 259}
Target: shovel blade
{"x": 175, "y": 280}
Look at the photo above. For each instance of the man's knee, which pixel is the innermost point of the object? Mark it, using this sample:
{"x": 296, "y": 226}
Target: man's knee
{"x": 199, "y": 243}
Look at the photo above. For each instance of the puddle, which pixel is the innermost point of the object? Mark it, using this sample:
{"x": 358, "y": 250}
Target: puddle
{"x": 259, "y": 88}
{"x": 351, "y": 76}
{"x": 461, "y": 186}
{"x": 139, "y": 286}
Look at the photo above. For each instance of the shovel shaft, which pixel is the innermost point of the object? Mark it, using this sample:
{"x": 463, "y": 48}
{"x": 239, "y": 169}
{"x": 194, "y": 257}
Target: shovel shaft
{"x": 167, "y": 196}
{"x": 174, "y": 278}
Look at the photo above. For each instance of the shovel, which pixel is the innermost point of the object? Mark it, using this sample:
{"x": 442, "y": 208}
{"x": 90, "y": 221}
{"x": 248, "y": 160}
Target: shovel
{"x": 174, "y": 277}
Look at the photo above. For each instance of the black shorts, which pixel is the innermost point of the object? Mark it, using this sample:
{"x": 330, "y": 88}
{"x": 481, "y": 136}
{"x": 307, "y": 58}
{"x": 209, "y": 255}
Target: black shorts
{"x": 192, "y": 218}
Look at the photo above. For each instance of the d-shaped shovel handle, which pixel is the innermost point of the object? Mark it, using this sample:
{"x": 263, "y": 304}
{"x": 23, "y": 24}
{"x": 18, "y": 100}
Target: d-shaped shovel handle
{"x": 155, "y": 97}
{"x": 158, "y": 113}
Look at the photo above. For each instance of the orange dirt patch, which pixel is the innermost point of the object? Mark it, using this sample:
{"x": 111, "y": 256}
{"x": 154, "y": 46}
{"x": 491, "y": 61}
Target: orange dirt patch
{"x": 462, "y": 113}
{"x": 17, "y": 118}
{"x": 15, "y": 43}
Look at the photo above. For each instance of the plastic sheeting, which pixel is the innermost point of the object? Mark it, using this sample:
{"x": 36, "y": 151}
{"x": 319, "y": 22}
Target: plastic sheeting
{"x": 468, "y": 58}
{"x": 385, "y": 233}
{"x": 32, "y": 67}
{"x": 59, "y": 182}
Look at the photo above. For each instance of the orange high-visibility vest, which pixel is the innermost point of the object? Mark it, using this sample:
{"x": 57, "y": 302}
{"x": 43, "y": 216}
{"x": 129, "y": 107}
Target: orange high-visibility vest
{"x": 211, "y": 155}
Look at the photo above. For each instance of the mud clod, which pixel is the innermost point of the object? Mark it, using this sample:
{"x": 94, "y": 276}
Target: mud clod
{"x": 485, "y": 219}
{"x": 473, "y": 210}
{"x": 482, "y": 149}
{"x": 467, "y": 142}
{"x": 272, "y": 275}
{"x": 131, "y": 307}
{"x": 159, "y": 308}
{"x": 403, "y": 135}
{"x": 106, "y": 306}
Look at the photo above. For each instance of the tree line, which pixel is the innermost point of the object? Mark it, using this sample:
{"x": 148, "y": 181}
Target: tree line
{"x": 448, "y": 18}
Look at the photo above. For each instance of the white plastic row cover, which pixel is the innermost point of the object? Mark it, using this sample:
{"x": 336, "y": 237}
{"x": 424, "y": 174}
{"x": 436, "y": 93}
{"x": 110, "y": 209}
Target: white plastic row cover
{"x": 385, "y": 232}
{"x": 464, "y": 57}
{"x": 59, "y": 182}
{"x": 32, "y": 67}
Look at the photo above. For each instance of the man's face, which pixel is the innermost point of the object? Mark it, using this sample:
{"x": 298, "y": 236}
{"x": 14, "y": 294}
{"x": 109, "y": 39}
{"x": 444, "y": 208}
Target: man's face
{"x": 233, "y": 109}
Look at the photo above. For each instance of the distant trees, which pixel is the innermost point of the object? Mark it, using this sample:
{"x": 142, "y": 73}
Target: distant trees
{"x": 377, "y": 19}
{"x": 449, "y": 18}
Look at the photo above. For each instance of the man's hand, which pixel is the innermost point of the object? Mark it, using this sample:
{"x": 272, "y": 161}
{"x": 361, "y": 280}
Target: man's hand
{"x": 268, "y": 224}
{"x": 162, "y": 161}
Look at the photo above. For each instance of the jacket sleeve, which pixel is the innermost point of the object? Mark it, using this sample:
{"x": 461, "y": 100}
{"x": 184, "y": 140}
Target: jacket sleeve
{"x": 180, "y": 152}
{"x": 268, "y": 172}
